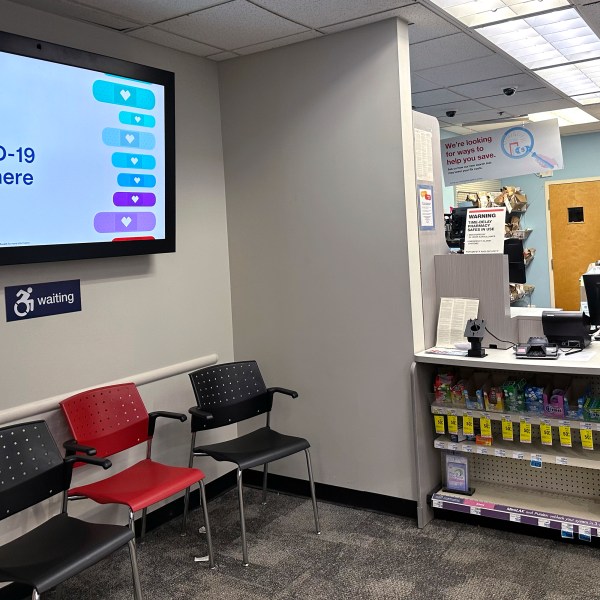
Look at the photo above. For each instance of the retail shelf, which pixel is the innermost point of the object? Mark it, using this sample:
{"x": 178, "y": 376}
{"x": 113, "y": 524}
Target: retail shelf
{"x": 533, "y": 418}
{"x": 569, "y": 514}
{"x": 535, "y": 452}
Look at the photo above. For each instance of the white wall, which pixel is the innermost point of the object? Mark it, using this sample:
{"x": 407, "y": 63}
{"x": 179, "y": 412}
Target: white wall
{"x": 315, "y": 149}
{"x": 139, "y": 313}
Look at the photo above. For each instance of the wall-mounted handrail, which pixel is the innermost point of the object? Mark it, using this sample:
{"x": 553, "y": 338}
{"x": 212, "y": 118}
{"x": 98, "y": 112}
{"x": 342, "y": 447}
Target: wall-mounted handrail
{"x": 31, "y": 409}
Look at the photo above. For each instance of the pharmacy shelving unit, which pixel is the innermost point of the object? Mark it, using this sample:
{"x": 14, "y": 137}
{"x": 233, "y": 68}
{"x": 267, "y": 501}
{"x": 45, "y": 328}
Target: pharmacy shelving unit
{"x": 552, "y": 486}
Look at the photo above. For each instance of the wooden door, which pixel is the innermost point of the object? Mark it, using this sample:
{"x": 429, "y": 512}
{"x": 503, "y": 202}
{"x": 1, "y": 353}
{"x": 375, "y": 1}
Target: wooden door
{"x": 574, "y": 212}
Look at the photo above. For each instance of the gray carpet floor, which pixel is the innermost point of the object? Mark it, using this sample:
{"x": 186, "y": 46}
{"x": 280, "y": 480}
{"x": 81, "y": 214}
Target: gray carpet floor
{"x": 359, "y": 555}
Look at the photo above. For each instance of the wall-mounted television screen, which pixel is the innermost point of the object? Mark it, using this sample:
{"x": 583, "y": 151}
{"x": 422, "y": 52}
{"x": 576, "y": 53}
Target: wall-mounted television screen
{"x": 87, "y": 155}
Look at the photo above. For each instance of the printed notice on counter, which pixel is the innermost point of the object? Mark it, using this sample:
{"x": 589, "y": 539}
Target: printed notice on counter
{"x": 453, "y": 316}
{"x": 484, "y": 231}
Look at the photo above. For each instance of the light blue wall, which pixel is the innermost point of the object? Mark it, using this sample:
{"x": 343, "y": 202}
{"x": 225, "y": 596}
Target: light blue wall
{"x": 580, "y": 156}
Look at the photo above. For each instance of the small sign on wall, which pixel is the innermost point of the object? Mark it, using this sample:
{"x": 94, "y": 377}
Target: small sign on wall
{"x": 33, "y": 300}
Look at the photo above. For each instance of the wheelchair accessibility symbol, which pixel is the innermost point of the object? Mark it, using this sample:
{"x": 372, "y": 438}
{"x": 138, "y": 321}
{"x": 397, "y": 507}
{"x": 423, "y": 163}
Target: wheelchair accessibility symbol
{"x": 24, "y": 299}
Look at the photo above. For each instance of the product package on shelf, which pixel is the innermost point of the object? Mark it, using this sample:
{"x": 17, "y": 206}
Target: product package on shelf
{"x": 473, "y": 392}
{"x": 493, "y": 394}
{"x": 456, "y": 474}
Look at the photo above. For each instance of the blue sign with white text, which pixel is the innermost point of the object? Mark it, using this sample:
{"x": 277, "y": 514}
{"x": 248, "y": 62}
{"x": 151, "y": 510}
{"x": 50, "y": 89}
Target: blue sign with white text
{"x": 42, "y": 299}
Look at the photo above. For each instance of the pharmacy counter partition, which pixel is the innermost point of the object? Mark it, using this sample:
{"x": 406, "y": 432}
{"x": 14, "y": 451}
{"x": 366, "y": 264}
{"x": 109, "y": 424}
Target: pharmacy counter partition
{"x": 530, "y": 461}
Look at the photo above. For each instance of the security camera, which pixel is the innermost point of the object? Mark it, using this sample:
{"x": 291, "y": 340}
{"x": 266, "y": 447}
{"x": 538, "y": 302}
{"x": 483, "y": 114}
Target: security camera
{"x": 509, "y": 91}
{"x": 450, "y": 113}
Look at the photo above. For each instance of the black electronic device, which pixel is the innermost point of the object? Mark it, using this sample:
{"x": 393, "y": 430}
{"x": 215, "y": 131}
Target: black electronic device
{"x": 474, "y": 332}
{"x": 568, "y": 329}
{"x": 456, "y": 223}
{"x": 591, "y": 282}
{"x": 513, "y": 248}
{"x": 537, "y": 347}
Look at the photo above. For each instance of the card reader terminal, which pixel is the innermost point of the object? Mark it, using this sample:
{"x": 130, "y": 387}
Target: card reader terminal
{"x": 537, "y": 347}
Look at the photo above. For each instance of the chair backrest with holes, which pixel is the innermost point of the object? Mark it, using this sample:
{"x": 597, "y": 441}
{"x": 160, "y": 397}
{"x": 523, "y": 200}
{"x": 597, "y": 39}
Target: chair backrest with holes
{"x": 110, "y": 419}
{"x": 232, "y": 392}
{"x": 31, "y": 467}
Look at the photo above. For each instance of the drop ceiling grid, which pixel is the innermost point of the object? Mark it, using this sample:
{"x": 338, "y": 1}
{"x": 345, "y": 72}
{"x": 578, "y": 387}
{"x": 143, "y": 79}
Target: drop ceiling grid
{"x": 447, "y": 50}
{"x": 170, "y": 40}
{"x": 232, "y": 25}
{"x": 147, "y": 12}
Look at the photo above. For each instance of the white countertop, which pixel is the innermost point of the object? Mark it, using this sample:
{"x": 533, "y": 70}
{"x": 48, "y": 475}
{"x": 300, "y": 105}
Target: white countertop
{"x": 586, "y": 362}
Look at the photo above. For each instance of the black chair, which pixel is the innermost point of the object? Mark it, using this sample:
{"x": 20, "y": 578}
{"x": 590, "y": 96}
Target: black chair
{"x": 32, "y": 470}
{"x": 230, "y": 393}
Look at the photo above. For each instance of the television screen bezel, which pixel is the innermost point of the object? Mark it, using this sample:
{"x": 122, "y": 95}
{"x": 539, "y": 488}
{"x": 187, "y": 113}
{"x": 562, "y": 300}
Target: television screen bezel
{"x": 47, "y": 51}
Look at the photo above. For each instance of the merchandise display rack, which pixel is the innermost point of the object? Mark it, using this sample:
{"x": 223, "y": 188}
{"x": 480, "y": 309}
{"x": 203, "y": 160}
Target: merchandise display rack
{"x": 544, "y": 485}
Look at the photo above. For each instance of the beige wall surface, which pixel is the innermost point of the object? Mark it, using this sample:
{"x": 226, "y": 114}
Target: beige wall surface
{"x": 138, "y": 313}
{"x": 315, "y": 182}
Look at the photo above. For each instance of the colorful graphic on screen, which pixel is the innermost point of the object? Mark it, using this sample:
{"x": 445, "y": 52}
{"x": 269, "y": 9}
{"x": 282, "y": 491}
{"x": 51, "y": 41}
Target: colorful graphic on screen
{"x": 82, "y": 155}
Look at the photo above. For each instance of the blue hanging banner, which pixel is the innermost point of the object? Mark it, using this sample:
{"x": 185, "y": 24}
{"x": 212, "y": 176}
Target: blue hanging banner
{"x": 33, "y": 300}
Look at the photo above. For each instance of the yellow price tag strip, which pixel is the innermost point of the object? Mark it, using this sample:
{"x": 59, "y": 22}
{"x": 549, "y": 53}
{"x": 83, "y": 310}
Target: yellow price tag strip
{"x": 525, "y": 432}
{"x": 564, "y": 433}
{"x": 507, "y": 429}
{"x": 546, "y": 433}
{"x": 485, "y": 425}
{"x": 468, "y": 428}
{"x": 440, "y": 424}
{"x": 452, "y": 424}
{"x": 587, "y": 439}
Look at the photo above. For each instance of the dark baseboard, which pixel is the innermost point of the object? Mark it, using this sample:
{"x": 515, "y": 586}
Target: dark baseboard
{"x": 335, "y": 494}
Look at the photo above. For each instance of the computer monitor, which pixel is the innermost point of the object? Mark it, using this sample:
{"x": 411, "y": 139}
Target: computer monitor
{"x": 591, "y": 281}
{"x": 513, "y": 248}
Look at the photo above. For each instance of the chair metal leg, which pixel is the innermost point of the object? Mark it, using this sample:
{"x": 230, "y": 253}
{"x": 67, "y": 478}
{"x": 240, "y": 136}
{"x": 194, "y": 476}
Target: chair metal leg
{"x": 265, "y": 474}
{"x": 186, "y": 501}
{"x": 137, "y": 588}
{"x": 144, "y": 513}
{"x": 211, "y": 557}
{"x": 35, "y": 595}
{"x": 242, "y": 519}
{"x": 312, "y": 492}
{"x": 131, "y": 523}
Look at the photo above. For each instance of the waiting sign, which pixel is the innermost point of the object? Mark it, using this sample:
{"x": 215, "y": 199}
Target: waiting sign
{"x": 508, "y": 152}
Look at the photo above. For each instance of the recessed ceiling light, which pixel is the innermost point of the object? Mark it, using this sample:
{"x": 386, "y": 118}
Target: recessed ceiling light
{"x": 545, "y": 40}
{"x": 565, "y": 116}
{"x": 479, "y": 12}
{"x": 576, "y": 79}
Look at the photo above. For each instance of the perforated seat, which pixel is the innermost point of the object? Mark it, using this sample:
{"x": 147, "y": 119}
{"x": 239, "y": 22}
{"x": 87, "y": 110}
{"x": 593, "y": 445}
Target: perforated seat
{"x": 32, "y": 470}
{"x": 112, "y": 419}
{"x": 230, "y": 393}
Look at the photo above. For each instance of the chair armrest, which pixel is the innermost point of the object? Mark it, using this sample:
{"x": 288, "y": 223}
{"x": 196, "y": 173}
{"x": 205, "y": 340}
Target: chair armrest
{"x": 203, "y": 415}
{"x": 71, "y": 446}
{"x": 100, "y": 462}
{"x": 281, "y": 390}
{"x": 162, "y": 413}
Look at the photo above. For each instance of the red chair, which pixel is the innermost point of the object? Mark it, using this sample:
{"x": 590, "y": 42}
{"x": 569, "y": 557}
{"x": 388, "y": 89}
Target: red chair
{"x": 111, "y": 419}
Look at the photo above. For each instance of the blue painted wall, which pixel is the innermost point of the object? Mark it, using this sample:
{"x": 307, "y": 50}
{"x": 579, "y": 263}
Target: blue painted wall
{"x": 580, "y": 156}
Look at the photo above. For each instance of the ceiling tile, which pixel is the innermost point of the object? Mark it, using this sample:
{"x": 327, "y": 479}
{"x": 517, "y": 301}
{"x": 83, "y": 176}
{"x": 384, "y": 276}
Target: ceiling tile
{"x": 417, "y": 84}
{"x": 492, "y": 87}
{"x": 483, "y": 115}
{"x": 82, "y": 13}
{"x": 469, "y": 71}
{"x": 434, "y": 97}
{"x": 423, "y": 23}
{"x": 143, "y": 11}
{"x": 318, "y": 14}
{"x": 232, "y": 25}
{"x": 591, "y": 15}
{"x": 463, "y": 107}
{"x": 223, "y": 56}
{"x": 285, "y": 41}
{"x": 525, "y": 109}
{"x": 520, "y": 97}
{"x": 170, "y": 40}
{"x": 446, "y": 50}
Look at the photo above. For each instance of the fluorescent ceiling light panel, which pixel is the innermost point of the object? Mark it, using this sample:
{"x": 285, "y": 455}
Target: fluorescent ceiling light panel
{"x": 552, "y": 39}
{"x": 565, "y": 116}
{"x": 574, "y": 80}
{"x": 479, "y": 12}
{"x": 587, "y": 99}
